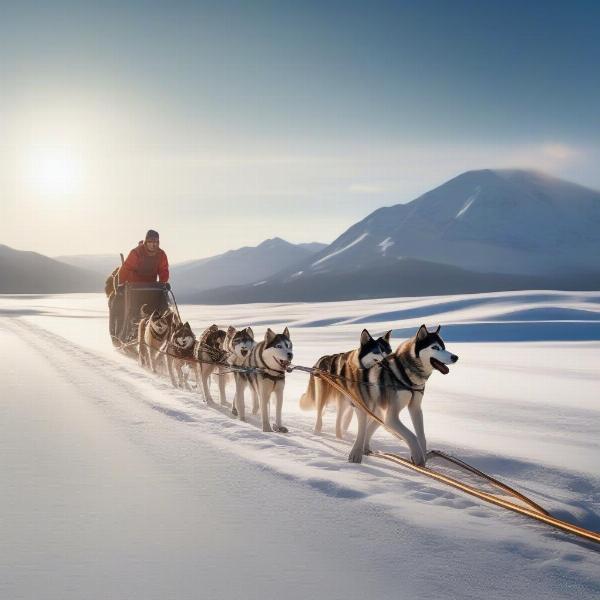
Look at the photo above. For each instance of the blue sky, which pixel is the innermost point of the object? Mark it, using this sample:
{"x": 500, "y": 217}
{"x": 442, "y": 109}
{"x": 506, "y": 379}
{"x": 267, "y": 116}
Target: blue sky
{"x": 222, "y": 123}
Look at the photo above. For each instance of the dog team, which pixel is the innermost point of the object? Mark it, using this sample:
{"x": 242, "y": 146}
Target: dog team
{"x": 386, "y": 380}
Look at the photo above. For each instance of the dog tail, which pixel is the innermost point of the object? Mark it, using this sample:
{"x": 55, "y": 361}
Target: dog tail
{"x": 307, "y": 400}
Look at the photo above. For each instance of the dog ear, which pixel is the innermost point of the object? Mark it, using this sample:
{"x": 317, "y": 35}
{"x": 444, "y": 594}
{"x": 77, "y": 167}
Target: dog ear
{"x": 214, "y": 327}
{"x": 422, "y": 333}
{"x": 230, "y": 330}
{"x": 269, "y": 335}
{"x": 365, "y": 337}
{"x": 387, "y": 336}
{"x": 438, "y": 329}
{"x": 286, "y": 332}
{"x": 250, "y": 332}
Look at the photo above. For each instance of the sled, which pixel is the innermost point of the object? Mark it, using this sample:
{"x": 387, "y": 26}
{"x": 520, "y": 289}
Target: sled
{"x": 125, "y": 308}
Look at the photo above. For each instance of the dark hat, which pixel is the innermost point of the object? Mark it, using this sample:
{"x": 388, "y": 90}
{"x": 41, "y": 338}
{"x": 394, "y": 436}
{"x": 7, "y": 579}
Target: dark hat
{"x": 152, "y": 235}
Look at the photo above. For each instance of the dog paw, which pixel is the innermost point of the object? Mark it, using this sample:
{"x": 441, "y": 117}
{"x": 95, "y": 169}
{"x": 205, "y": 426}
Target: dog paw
{"x": 419, "y": 460}
{"x": 355, "y": 456}
{"x": 280, "y": 429}
{"x": 234, "y": 411}
{"x": 367, "y": 451}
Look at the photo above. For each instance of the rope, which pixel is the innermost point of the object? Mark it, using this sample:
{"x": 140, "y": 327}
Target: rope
{"x": 230, "y": 368}
{"x": 534, "y": 511}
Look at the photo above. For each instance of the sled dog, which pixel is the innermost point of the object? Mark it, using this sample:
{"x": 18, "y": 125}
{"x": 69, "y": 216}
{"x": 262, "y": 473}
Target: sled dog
{"x": 153, "y": 330}
{"x": 209, "y": 352}
{"x": 178, "y": 349}
{"x": 272, "y": 356}
{"x": 349, "y": 368}
{"x": 396, "y": 383}
{"x": 238, "y": 343}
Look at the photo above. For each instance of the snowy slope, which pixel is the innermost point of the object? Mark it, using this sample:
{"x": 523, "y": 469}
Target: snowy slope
{"x": 119, "y": 486}
{"x": 505, "y": 221}
{"x": 479, "y": 232}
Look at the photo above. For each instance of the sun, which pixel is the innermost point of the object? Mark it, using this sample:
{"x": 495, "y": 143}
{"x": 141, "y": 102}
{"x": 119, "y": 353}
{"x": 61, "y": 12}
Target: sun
{"x": 55, "y": 171}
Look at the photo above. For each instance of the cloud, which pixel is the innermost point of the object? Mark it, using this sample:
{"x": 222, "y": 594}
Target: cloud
{"x": 560, "y": 152}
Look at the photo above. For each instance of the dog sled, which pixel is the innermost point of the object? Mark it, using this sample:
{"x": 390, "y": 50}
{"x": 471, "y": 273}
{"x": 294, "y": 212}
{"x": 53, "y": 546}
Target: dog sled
{"x": 125, "y": 303}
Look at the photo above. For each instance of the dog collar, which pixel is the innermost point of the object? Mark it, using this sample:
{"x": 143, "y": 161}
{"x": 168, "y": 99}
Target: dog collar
{"x": 402, "y": 377}
{"x": 273, "y": 377}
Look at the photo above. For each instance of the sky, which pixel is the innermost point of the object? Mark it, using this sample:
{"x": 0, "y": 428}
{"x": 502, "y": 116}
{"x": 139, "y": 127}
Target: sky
{"x": 221, "y": 124}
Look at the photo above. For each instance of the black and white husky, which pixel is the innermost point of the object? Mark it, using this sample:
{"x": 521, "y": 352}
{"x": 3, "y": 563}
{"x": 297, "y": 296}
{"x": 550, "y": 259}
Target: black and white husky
{"x": 177, "y": 350}
{"x": 271, "y": 357}
{"x": 349, "y": 369}
{"x": 238, "y": 343}
{"x": 396, "y": 383}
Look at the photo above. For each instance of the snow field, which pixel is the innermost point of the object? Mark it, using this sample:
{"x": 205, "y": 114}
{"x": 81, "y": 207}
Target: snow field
{"x": 524, "y": 411}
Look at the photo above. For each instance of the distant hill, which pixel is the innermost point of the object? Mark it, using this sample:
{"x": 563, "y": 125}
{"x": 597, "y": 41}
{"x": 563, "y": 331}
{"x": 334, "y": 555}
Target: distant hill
{"x": 241, "y": 266}
{"x": 408, "y": 277}
{"x": 103, "y": 264}
{"x": 486, "y": 230}
{"x": 32, "y": 273}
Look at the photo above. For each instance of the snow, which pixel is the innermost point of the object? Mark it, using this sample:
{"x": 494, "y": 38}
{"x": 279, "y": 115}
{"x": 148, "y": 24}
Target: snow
{"x": 359, "y": 239}
{"x": 385, "y": 244}
{"x": 468, "y": 203}
{"x": 116, "y": 485}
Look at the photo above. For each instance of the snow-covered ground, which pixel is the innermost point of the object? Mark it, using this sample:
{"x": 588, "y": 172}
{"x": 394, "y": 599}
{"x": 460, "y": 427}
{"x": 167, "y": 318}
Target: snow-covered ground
{"x": 115, "y": 485}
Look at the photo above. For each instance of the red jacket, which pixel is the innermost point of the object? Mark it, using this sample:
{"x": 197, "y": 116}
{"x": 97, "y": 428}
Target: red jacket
{"x": 141, "y": 267}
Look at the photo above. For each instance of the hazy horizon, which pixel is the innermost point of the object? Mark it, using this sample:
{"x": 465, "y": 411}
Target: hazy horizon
{"x": 222, "y": 125}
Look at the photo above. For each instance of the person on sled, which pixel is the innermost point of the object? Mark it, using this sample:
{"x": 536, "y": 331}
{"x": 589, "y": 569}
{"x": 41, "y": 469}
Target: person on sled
{"x": 144, "y": 265}
{"x": 146, "y": 262}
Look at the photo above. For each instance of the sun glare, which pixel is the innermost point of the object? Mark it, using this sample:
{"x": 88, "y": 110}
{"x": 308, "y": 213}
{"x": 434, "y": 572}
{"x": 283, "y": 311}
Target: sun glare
{"x": 55, "y": 171}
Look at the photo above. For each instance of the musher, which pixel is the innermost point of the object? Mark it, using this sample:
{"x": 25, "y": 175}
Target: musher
{"x": 146, "y": 262}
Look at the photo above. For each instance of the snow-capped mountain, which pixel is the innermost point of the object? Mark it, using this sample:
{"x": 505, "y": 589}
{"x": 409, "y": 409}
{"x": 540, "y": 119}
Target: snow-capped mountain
{"x": 242, "y": 266}
{"x": 505, "y": 221}
{"x": 481, "y": 231}
{"x": 32, "y": 273}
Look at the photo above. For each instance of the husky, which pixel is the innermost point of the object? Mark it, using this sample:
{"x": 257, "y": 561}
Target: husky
{"x": 349, "y": 368}
{"x": 178, "y": 349}
{"x": 153, "y": 330}
{"x": 396, "y": 383}
{"x": 209, "y": 353}
{"x": 238, "y": 343}
{"x": 272, "y": 357}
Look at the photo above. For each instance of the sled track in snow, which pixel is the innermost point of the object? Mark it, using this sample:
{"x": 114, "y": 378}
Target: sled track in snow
{"x": 112, "y": 377}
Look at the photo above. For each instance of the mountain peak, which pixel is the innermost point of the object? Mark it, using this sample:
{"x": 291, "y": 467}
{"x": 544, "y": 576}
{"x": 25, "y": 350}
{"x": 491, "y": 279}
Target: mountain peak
{"x": 274, "y": 243}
